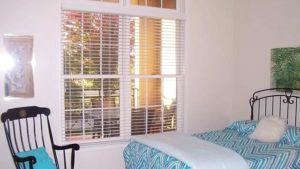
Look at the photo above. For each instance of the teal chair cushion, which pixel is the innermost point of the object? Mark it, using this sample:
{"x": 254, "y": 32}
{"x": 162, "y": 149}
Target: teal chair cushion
{"x": 43, "y": 161}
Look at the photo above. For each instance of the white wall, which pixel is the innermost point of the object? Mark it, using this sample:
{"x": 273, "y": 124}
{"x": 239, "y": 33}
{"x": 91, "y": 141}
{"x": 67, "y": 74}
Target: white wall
{"x": 40, "y": 19}
{"x": 260, "y": 26}
{"x": 209, "y": 63}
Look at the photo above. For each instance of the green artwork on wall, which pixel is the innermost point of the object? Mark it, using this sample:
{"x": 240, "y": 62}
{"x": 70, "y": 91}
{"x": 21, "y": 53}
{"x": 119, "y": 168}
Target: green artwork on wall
{"x": 286, "y": 67}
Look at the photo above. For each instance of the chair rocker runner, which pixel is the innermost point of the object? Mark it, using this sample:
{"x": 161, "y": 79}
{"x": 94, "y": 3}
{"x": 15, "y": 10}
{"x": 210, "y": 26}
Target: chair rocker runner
{"x": 28, "y": 133}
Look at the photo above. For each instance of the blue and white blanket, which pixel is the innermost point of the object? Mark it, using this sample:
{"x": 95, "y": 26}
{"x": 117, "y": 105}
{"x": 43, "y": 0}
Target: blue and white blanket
{"x": 196, "y": 153}
{"x": 258, "y": 155}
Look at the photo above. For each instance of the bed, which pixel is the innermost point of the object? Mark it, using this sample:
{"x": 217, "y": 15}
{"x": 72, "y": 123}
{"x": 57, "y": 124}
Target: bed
{"x": 157, "y": 151}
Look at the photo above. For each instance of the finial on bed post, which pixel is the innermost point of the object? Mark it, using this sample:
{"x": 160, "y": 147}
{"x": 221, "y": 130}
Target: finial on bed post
{"x": 251, "y": 102}
{"x": 251, "y": 106}
{"x": 288, "y": 94}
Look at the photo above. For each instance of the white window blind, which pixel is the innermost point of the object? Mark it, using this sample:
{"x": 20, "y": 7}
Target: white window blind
{"x": 122, "y": 75}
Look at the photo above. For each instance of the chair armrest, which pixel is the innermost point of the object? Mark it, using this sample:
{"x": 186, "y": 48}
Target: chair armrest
{"x": 73, "y": 147}
{"x": 30, "y": 159}
{"x": 69, "y": 146}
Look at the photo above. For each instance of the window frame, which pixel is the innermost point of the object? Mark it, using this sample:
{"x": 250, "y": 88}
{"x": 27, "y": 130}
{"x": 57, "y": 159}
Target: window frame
{"x": 121, "y": 8}
{"x": 125, "y": 8}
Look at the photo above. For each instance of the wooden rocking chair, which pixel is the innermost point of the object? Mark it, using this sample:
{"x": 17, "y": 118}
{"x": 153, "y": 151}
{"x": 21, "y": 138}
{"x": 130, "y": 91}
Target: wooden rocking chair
{"x": 29, "y": 137}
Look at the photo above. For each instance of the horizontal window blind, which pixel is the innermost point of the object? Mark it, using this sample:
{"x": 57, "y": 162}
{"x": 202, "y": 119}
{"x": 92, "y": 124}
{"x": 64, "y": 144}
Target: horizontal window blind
{"x": 122, "y": 75}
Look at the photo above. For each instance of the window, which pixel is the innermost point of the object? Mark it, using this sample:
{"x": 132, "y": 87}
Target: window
{"x": 168, "y": 4}
{"x": 109, "y": 1}
{"x": 122, "y": 75}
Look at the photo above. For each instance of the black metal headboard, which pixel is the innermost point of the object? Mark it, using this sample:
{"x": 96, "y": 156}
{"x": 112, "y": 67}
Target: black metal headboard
{"x": 281, "y": 102}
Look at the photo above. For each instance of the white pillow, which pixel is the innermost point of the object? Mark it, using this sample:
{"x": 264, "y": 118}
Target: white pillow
{"x": 269, "y": 129}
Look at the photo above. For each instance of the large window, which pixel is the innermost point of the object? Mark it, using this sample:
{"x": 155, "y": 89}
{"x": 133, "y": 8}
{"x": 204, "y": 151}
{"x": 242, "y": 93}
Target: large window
{"x": 122, "y": 75}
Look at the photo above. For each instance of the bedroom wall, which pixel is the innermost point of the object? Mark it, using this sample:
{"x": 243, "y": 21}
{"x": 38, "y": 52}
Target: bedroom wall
{"x": 40, "y": 19}
{"x": 260, "y": 26}
{"x": 210, "y": 50}
{"x": 208, "y": 68}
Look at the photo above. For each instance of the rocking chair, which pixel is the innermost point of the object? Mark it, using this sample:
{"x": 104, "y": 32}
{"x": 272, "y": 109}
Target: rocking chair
{"x": 29, "y": 137}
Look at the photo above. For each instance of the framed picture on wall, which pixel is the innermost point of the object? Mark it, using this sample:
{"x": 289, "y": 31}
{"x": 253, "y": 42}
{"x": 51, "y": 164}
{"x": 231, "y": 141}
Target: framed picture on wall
{"x": 19, "y": 78}
{"x": 286, "y": 67}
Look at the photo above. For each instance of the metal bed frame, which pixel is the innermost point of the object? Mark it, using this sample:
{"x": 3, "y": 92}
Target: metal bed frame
{"x": 281, "y": 102}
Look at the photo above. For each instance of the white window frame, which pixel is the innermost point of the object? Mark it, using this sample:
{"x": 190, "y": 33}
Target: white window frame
{"x": 122, "y": 8}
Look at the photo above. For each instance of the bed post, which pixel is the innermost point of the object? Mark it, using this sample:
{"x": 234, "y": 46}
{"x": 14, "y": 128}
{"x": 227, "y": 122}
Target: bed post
{"x": 251, "y": 102}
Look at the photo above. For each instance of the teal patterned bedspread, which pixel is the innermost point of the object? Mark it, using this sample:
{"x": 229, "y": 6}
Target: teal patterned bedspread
{"x": 140, "y": 156}
{"x": 258, "y": 155}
